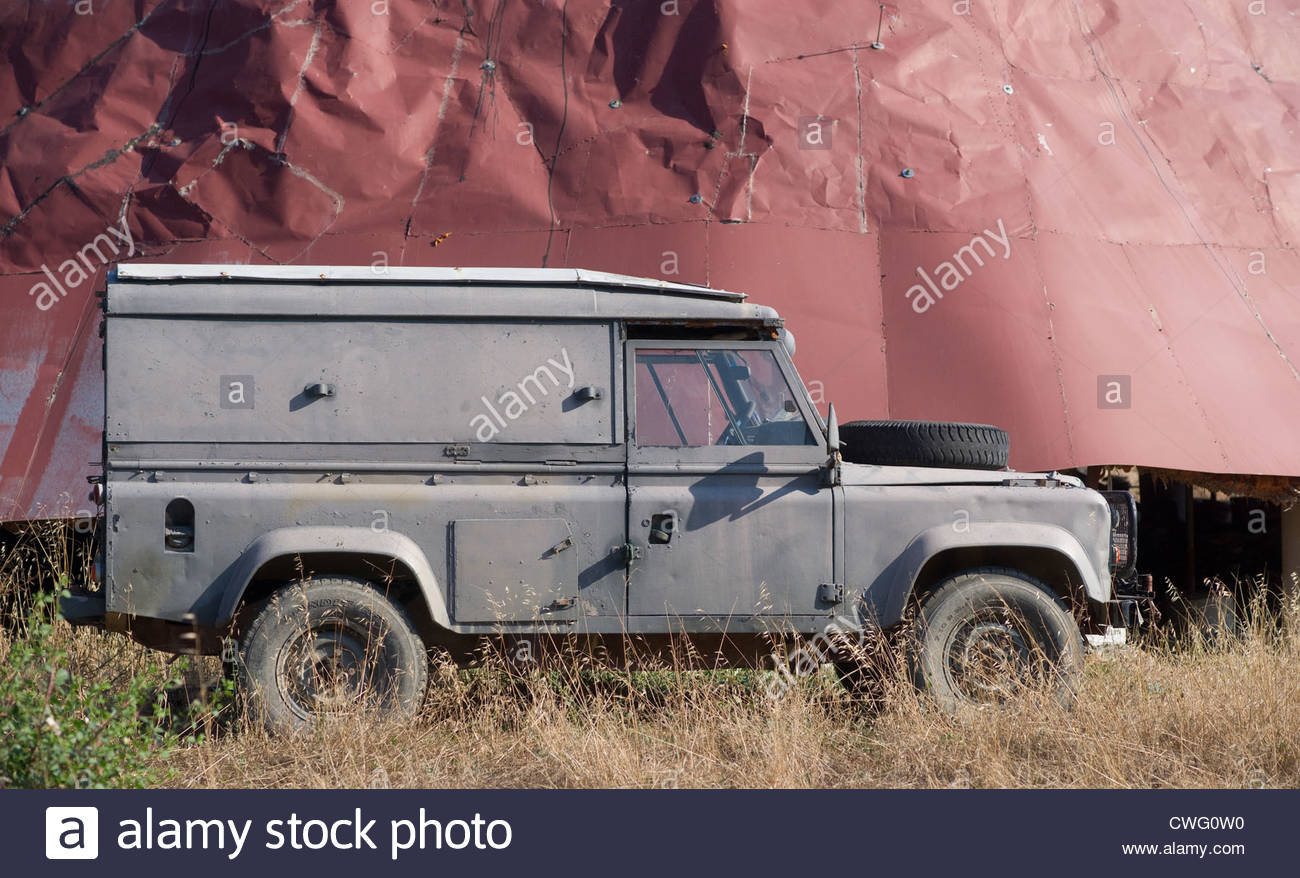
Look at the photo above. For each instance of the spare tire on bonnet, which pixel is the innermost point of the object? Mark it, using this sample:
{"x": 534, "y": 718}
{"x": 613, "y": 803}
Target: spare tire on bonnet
{"x": 925, "y": 443}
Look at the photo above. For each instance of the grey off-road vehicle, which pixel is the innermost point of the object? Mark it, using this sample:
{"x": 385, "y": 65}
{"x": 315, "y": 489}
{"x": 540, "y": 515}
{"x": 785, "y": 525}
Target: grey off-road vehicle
{"x": 327, "y": 473}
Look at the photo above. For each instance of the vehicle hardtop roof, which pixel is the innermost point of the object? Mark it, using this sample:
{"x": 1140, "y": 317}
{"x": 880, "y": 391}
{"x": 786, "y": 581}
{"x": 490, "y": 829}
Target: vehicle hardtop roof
{"x": 580, "y": 277}
{"x": 340, "y": 292}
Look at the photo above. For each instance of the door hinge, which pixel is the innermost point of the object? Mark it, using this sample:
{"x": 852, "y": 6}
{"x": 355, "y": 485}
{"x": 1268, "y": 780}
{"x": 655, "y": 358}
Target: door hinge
{"x": 830, "y": 593}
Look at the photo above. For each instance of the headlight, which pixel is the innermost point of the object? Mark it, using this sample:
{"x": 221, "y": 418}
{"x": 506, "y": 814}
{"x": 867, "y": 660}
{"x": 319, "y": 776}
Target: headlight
{"x": 1123, "y": 533}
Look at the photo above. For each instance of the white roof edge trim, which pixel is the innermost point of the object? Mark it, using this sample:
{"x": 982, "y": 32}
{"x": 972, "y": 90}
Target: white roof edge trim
{"x": 143, "y": 271}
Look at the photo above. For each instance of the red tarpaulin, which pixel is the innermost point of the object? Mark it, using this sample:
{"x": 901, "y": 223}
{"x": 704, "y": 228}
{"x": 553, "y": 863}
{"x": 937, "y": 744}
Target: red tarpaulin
{"x": 1076, "y": 220}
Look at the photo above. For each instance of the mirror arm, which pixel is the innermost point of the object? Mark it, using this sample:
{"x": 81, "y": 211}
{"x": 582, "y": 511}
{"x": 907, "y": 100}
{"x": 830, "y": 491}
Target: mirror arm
{"x": 833, "y": 456}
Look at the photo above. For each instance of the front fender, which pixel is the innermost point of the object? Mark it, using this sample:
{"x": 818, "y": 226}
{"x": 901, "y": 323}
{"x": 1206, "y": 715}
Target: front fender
{"x": 900, "y": 582}
{"x": 289, "y": 541}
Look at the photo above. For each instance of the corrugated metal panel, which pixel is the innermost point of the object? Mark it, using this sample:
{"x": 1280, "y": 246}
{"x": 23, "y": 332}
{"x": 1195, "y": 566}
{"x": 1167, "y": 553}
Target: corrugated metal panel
{"x": 1125, "y": 175}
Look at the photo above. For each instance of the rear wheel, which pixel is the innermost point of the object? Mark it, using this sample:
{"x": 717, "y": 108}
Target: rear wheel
{"x": 991, "y": 635}
{"x": 330, "y": 645}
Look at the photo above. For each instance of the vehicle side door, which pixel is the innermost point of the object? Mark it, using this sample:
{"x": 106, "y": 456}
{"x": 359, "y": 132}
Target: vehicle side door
{"x": 726, "y": 502}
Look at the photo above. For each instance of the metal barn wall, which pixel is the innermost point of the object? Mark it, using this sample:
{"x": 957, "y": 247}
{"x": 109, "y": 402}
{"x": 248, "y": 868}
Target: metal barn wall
{"x": 1075, "y": 219}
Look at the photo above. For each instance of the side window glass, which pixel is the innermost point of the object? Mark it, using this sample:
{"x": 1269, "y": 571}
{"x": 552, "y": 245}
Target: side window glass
{"x": 715, "y": 397}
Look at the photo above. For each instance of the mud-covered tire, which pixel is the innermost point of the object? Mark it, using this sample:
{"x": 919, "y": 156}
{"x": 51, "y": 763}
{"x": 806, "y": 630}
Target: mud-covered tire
{"x": 330, "y": 644}
{"x": 991, "y": 635}
{"x": 925, "y": 443}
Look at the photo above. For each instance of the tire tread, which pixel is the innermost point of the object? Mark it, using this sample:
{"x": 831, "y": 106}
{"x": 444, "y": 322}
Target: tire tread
{"x": 926, "y": 443}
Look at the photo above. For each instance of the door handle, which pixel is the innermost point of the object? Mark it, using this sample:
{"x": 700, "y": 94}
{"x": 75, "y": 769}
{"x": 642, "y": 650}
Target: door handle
{"x": 566, "y": 543}
{"x": 319, "y": 390}
{"x": 662, "y": 527}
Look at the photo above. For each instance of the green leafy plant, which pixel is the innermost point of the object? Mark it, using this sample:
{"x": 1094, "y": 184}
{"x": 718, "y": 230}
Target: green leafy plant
{"x": 60, "y": 730}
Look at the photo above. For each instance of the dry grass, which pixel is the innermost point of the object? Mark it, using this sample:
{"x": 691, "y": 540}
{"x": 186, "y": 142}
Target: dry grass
{"x": 1195, "y": 714}
{"x": 1145, "y": 718}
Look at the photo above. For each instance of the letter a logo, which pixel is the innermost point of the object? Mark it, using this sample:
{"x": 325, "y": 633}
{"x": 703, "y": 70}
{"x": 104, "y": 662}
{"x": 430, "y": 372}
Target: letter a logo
{"x": 236, "y": 391}
{"x": 71, "y": 833}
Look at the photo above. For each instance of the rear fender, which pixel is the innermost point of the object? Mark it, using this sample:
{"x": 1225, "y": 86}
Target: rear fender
{"x": 293, "y": 541}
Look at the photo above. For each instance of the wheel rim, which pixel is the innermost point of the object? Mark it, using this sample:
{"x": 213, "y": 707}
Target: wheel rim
{"x": 991, "y": 657}
{"x": 328, "y": 668}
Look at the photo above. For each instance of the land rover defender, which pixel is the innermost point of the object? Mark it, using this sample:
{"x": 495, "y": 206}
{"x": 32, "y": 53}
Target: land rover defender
{"x": 329, "y": 472}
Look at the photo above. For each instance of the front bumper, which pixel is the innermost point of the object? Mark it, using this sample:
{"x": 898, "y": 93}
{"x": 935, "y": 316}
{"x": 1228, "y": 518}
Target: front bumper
{"x": 1134, "y": 604}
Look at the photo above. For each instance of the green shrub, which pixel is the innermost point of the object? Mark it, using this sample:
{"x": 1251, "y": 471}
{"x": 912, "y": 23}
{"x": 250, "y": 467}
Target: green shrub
{"x": 58, "y": 730}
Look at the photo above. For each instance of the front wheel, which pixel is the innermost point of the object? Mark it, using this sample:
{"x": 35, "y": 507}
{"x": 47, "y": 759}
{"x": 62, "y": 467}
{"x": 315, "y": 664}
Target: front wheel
{"x": 329, "y": 645}
{"x": 991, "y": 635}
